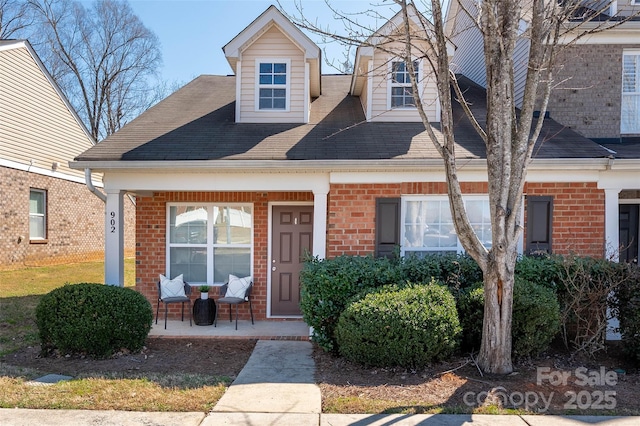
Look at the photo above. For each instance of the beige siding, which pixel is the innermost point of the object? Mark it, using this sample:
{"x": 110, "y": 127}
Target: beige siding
{"x": 380, "y": 102}
{"x": 272, "y": 44}
{"x": 35, "y": 124}
{"x": 364, "y": 92}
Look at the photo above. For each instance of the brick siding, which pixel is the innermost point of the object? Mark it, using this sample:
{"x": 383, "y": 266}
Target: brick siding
{"x": 578, "y": 217}
{"x": 151, "y": 223}
{"x": 75, "y": 221}
{"x": 578, "y": 225}
{"x": 588, "y": 99}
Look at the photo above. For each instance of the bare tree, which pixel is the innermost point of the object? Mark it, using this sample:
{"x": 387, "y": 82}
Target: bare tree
{"x": 509, "y": 133}
{"x": 15, "y": 17}
{"x": 102, "y": 57}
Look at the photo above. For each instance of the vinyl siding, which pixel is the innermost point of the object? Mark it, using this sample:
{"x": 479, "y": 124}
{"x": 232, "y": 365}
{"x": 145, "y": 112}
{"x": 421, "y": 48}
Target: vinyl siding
{"x": 469, "y": 56}
{"x": 628, "y": 7}
{"x": 520, "y": 61}
{"x": 364, "y": 93}
{"x": 380, "y": 94}
{"x": 272, "y": 44}
{"x": 35, "y": 124}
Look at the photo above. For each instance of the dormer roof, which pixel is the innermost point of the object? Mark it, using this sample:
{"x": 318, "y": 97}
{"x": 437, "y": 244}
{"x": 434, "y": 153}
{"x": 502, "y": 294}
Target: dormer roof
{"x": 383, "y": 35}
{"x": 268, "y": 19}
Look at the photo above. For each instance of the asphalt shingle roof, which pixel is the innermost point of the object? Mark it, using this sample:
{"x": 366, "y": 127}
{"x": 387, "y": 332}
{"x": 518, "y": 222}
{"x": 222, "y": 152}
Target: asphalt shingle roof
{"x": 197, "y": 123}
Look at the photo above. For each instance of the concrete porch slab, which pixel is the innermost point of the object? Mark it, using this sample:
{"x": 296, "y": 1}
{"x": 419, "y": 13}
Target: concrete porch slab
{"x": 261, "y": 330}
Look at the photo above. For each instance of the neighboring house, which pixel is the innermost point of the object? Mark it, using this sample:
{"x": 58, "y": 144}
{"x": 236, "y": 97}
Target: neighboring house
{"x": 597, "y": 93}
{"x": 245, "y": 174}
{"x": 48, "y": 214}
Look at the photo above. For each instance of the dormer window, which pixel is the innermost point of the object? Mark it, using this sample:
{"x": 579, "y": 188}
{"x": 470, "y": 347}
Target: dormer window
{"x": 273, "y": 85}
{"x": 401, "y": 95}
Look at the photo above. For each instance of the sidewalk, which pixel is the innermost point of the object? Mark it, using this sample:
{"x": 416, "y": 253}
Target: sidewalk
{"x": 277, "y": 387}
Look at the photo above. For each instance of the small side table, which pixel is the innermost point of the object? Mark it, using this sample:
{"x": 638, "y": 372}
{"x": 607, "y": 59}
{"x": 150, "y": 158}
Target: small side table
{"x": 204, "y": 311}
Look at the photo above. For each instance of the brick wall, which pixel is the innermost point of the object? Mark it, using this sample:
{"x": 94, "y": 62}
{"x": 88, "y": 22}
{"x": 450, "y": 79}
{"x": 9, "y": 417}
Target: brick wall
{"x": 588, "y": 99}
{"x": 578, "y": 216}
{"x": 151, "y": 228}
{"x": 578, "y": 224}
{"x": 75, "y": 221}
{"x": 352, "y": 211}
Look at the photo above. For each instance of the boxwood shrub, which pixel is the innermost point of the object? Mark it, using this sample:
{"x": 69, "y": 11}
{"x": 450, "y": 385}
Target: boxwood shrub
{"x": 395, "y": 326}
{"x": 93, "y": 319}
{"x": 626, "y": 307}
{"x": 535, "y": 321}
{"x": 328, "y": 285}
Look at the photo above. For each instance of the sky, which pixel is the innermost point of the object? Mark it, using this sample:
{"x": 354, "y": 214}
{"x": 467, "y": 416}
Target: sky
{"x": 192, "y": 33}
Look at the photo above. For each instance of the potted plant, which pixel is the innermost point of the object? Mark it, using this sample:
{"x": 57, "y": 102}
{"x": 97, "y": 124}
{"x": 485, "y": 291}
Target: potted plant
{"x": 204, "y": 291}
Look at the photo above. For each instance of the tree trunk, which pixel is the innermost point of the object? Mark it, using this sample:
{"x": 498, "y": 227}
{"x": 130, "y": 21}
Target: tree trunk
{"x": 495, "y": 349}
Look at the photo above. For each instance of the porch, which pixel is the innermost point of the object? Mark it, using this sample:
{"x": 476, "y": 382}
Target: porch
{"x": 264, "y": 330}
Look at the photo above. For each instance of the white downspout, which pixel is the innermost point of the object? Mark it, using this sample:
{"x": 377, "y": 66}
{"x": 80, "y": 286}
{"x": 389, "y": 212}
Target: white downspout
{"x": 92, "y": 188}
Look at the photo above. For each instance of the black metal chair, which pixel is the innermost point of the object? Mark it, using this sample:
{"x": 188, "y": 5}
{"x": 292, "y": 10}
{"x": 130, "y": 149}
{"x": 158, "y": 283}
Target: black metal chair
{"x": 234, "y": 301}
{"x": 179, "y": 299}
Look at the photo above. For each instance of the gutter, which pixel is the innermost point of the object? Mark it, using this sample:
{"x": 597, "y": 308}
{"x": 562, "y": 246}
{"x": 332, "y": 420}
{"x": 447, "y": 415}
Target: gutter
{"x": 93, "y": 189}
{"x": 315, "y": 166}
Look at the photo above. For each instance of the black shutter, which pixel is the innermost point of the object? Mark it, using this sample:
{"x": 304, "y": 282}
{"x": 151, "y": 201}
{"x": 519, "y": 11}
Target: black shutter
{"x": 387, "y": 226}
{"x": 539, "y": 224}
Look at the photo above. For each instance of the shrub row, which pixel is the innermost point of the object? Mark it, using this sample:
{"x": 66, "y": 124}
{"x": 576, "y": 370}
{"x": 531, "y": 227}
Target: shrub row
{"x": 93, "y": 319}
{"x": 330, "y": 285}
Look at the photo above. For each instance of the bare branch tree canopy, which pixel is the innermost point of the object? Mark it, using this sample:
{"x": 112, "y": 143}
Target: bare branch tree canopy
{"x": 509, "y": 130}
{"x": 15, "y": 16}
{"x": 102, "y": 57}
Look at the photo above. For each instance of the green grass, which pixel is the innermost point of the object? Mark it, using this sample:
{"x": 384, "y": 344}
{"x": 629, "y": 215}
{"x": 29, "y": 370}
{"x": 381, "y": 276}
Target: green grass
{"x": 146, "y": 393}
{"x": 21, "y": 290}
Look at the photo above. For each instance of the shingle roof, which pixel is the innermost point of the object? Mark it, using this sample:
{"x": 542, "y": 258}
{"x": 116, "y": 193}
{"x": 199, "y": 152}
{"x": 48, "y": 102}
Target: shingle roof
{"x": 197, "y": 123}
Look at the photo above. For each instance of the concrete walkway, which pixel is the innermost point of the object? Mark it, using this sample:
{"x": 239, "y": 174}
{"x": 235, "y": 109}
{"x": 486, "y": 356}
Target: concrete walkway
{"x": 277, "y": 387}
{"x": 278, "y": 378}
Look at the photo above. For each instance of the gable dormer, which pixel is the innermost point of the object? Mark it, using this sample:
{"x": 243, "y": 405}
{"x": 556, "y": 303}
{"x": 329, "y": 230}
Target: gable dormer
{"x": 381, "y": 78}
{"x": 277, "y": 70}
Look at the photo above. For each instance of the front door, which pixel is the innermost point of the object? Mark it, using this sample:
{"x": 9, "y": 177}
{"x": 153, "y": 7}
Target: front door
{"x": 628, "y": 223}
{"x": 292, "y": 238}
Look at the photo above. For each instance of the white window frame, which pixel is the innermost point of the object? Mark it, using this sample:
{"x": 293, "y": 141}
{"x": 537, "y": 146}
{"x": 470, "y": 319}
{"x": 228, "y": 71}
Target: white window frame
{"x": 636, "y": 94}
{"x": 286, "y": 87}
{"x": 391, "y": 84}
{"x": 404, "y": 250}
{"x": 42, "y": 215}
{"x": 209, "y": 245}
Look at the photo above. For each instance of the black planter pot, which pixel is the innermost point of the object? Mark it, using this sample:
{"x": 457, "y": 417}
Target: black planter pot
{"x": 204, "y": 311}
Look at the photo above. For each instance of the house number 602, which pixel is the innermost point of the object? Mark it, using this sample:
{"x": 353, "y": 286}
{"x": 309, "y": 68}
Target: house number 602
{"x": 112, "y": 222}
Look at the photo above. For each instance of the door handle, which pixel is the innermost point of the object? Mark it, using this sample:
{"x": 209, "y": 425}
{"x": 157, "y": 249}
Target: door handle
{"x": 273, "y": 269}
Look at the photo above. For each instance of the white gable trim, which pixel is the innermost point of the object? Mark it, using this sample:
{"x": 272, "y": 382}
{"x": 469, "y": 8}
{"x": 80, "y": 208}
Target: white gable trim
{"x": 271, "y": 16}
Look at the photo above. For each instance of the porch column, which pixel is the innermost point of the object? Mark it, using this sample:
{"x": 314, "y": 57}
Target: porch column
{"x": 320, "y": 223}
{"x": 612, "y": 226}
{"x": 114, "y": 239}
{"x": 612, "y": 248}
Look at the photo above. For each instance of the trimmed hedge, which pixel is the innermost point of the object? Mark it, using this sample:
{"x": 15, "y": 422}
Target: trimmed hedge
{"x": 535, "y": 321}
{"x": 93, "y": 319}
{"x": 408, "y": 327}
{"x": 328, "y": 285}
{"x": 626, "y": 306}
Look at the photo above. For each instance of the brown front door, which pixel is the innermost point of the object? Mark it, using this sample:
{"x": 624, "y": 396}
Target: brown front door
{"x": 292, "y": 237}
